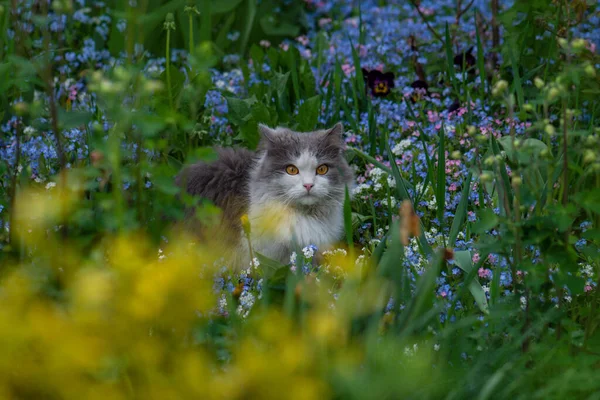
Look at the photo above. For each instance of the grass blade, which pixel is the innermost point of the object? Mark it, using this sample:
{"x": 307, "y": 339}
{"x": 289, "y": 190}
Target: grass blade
{"x": 480, "y": 63}
{"x": 463, "y": 261}
{"x": 461, "y": 211}
{"x": 348, "y": 220}
{"x": 440, "y": 193}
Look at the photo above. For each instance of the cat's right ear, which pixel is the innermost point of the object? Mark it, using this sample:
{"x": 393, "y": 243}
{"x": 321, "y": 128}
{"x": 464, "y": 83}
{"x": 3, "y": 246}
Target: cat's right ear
{"x": 267, "y": 135}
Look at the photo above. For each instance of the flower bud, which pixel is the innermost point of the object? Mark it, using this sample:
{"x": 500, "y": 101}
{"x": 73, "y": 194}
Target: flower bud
{"x": 21, "y": 108}
{"x": 471, "y": 130}
{"x": 489, "y": 161}
{"x": 563, "y": 43}
{"x": 516, "y": 181}
{"x": 591, "y": 140}
{"x": 486, "y": 177}
{"x": 578, "y": 44}
{"x": 553, "y": 93}
{"x": 589, "y": 156}
{"x": 456, "y": 155}
{"x": 549, "y": 129}
{"x": 527, "y": 107}
{"x": 538, "y": 83}
{"x": 590, "y": 71}
{"x": 499, "y": 87}
{"x": 151, "y": 86}
{"x": 245, "y": 224}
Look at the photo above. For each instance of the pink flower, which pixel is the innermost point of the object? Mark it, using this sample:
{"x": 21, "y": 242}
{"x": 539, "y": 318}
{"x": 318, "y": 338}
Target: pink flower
{"x": 587, "y": 288}
{"x": 362, "y": 50}
{"x": 265, "y": 43}
{"x": 303, "y": 40}
{"x": 444, "y": 294}
{"x": 348, "y": 69}
{"x": 324, "y": 21}
{"x": 452, "y": 187}
{"x": 284, "y": 46}
{"x": 476, "y": 257}
{"x": 306, "y": 53}
{"x": 590, "y": 46}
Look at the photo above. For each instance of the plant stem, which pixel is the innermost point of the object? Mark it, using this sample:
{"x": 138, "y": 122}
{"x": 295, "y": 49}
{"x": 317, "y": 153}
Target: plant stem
{"x": 13, "y": 186}
{"x": 191, "y": 19}
{"x": 168, "y": 70}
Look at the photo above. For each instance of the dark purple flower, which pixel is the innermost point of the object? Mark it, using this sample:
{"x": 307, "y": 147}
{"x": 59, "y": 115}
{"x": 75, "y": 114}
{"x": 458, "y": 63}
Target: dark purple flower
{"x": 454, "y": 106}
{"x": 380, "y": 83}
{"x": 421, "y": 89}
{"x": 465, "y": 60}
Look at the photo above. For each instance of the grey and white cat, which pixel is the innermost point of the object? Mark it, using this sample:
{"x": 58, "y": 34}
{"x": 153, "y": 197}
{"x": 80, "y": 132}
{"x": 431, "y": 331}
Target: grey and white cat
{"x": 292, "y": 190}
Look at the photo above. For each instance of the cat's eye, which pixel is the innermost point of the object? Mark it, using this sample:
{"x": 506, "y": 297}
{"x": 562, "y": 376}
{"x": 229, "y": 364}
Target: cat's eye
{"x": 292, "y": 170}
{"x": 322, "y": 169}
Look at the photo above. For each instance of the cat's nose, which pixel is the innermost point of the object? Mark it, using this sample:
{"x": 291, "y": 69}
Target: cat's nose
{"x": 308, "y": 186}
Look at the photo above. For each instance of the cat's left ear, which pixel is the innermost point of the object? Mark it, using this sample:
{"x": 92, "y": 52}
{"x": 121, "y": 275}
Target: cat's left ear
{"x": 267, "y": 134}
{"x": 336, "y": 134}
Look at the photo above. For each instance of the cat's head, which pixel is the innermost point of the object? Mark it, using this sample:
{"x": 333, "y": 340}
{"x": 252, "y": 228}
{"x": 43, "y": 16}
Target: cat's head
{"x": 302, "y": 168}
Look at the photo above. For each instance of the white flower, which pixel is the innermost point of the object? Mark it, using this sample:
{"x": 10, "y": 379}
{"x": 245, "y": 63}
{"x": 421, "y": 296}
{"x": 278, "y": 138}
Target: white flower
{"x": 254, "y": 263}
{"x": 378, "y": 186}
{"x": 376, "y": 173}
{"x": 399, "y": 148}
{"x": 523, "y": 302}
{"x": 309, "y": 251}
{"x": 391, "y": 181}
{"x": 363, "y": 187}
{"x": 436, "y": 347}
{"x": 392, "y": 200}
{"x": 29, "y": 130}
{"x": 50, "y": 185}
{"x": 432, "y": 204}
{"x": 293, "y": 257}
{"x": 587, "y": 270}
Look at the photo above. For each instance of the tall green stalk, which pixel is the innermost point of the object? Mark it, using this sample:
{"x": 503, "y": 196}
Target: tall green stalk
{"x": 169, "y": 25}
{"x": 191, "y": 10}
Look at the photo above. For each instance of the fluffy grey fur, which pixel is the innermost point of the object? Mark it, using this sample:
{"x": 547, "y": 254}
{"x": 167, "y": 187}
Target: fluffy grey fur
{"x": 285, "y": 210}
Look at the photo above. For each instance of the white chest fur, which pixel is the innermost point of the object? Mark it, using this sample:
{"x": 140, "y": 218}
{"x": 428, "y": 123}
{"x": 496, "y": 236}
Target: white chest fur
{"x": 277, "y": 230}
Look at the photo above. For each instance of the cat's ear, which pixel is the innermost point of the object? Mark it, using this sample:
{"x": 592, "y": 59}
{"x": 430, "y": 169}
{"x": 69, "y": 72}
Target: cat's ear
{"x": 336, "y": 134}
{"x": 267, "y": 135}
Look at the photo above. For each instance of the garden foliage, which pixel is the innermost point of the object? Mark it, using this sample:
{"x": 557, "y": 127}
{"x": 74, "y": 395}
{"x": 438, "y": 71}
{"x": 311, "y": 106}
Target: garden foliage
{"x": 470, "y": 262}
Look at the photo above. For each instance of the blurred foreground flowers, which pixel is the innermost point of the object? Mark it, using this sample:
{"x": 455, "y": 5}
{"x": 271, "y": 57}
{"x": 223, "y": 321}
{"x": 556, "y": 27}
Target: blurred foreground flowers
{"x": 119, "y": 321}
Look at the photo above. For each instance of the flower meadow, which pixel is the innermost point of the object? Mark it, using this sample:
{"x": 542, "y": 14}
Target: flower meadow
{"x": 470, "y": 262}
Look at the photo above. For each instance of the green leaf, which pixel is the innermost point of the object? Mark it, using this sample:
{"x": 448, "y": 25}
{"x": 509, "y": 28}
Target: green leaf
{"x": 464, "y": 261}
{"x": 449, "y": 58}
{"x": 148, "y": 124}
{"x": 486, "y": 221}
{"x": 279, "y": 83}
{"x": 238, "y": 110}
{"x": 250, "y": 14}
{"x": 273, "y": 27}
{"x": 308, "y": 114}
{"x": 529, "y": 150}
{"x": 224, "y": 6}
{"x": 268, "y": 266}
{"x": 73, "y": 119}
{"x": 461, "y": 211}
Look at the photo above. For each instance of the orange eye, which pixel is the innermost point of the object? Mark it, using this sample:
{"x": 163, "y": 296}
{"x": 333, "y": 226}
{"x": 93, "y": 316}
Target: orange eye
{"x": 292, "y": 170}
{"x": 322, "y": 169}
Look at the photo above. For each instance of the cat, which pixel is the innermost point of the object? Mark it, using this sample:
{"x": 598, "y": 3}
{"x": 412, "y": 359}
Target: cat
{"x": 292, "y": 190}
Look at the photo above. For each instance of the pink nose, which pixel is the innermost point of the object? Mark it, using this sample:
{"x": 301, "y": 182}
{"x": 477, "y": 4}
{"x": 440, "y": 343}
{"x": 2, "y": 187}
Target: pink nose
{"x": 308, "y": 186}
